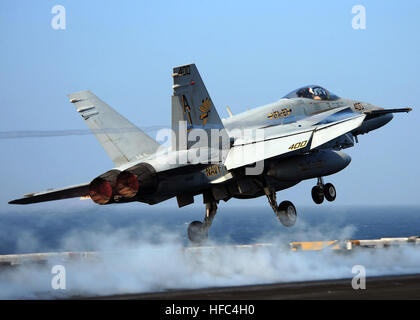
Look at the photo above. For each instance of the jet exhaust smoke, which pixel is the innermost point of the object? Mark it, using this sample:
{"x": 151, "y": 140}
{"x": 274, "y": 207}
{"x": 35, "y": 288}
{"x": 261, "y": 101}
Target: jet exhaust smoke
{"x": 159, "y": 261}
{"x": 70, "y": 132}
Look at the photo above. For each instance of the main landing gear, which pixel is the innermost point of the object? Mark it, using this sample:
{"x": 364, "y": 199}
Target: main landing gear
{"x": 321, "y": 191}
{"x": 198, "y": 231}
{"x": 285, "y": 211}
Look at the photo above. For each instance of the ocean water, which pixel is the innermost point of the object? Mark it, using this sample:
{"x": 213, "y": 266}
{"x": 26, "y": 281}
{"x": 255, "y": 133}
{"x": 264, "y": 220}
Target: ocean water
{"x": 50, "y": 229}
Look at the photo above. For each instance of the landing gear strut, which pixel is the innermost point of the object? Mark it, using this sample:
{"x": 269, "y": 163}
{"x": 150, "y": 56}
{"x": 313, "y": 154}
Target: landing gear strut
{"x": 320, "y": 191}
{"x": 198, "y": 231}
{"x": 285, "y": 212}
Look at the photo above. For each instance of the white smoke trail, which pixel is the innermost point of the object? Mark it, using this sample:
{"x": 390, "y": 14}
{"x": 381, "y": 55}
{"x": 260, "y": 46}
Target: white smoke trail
{"x": 70, "y": 132}
{"x": 159, "y": 263}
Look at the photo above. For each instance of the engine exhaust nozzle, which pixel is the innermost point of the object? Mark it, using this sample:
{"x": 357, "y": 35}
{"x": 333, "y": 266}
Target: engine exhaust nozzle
{"x": 127, "y": 184}
{"x": 100, "y": 191}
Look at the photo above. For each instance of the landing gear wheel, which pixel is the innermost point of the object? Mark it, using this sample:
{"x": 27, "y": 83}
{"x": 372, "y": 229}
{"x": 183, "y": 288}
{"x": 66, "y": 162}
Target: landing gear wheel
{"x": 286, "y": 212}
{"x": 329, "y": 192}
{"x": 318, "y": 194}
{"x": 197, "y": 233}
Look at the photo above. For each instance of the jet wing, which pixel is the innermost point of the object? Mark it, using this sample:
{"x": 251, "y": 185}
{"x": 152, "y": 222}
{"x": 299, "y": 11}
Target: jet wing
{"x": 80, "y": 190}
{"x": 301, "y": 136}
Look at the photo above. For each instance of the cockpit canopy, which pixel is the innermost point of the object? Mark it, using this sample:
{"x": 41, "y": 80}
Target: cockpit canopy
{"x": 312, "y": 92}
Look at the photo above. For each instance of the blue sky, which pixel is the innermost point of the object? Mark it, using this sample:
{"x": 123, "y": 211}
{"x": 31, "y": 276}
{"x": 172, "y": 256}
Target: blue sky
{"x": 248, "y": 52}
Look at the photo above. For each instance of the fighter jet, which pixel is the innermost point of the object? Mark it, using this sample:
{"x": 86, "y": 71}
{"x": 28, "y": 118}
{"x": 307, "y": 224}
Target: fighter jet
{"x": 255, "y": 153}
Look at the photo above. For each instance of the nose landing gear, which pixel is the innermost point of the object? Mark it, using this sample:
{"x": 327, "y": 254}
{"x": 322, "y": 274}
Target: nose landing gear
{"x": 320, "y": 191}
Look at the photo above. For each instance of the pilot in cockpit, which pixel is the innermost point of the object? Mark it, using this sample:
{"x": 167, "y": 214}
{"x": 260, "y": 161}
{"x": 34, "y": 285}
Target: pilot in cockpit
{"x": 313, "y": 93}
{"x": 305, "y": 93}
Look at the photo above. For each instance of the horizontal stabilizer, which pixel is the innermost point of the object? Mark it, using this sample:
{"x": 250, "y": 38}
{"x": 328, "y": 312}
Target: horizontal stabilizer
{"x": 80, "y": 190}
{"x": 121, "y": 139}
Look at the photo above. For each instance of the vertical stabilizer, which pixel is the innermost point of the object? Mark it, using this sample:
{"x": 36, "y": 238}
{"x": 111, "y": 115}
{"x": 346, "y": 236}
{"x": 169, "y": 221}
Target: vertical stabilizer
{"x": 192, "y": 108}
